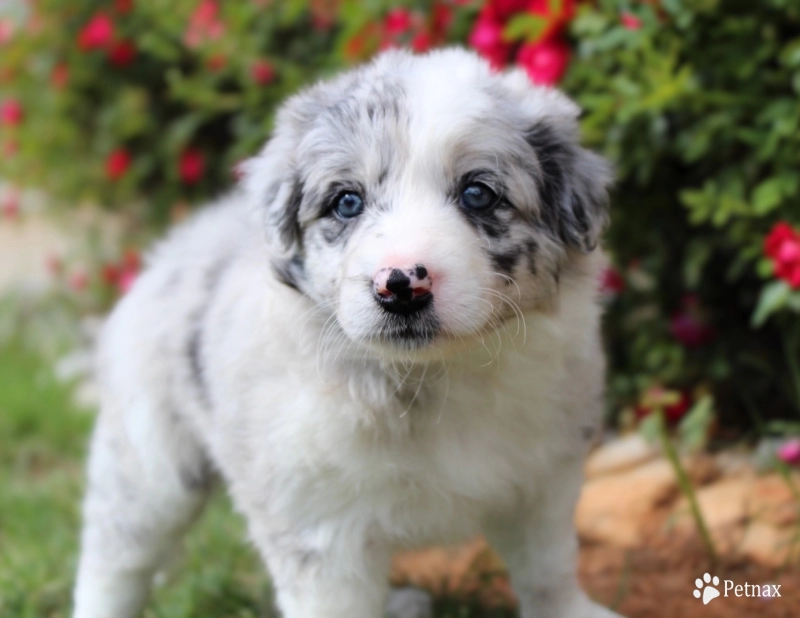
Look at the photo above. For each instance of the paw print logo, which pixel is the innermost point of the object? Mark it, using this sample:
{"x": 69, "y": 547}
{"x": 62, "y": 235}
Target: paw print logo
{"x": 709, "y": 592}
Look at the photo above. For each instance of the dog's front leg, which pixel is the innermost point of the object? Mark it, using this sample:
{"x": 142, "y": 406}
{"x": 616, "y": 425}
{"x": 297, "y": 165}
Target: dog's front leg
{"x": 539, "y": 545}
{"x": 326, "y": 573}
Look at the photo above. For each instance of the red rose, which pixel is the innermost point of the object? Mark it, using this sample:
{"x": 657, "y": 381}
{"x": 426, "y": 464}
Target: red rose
{"x": 397, "y": 22}
{"x": 122, "y": 53}
{"x": 421, "y": 42}
{"x": 97, "y": 33}
{"x": 191, "y": 166}
{"x": 503, "y": 10}
{"x": 118, "y": 163}
{"x": 689, "y": 326}
{"x": 487, "y": 39}
{"x": 262, "y": 72}
{"x": 11, "y": 113}
{"x": 782, "y": 245}
{"x": 204, "y": 24}
{"x": 611, "y": 282}
{"x": 779, "y": 234}
{"x": 630, "y": 21}
{"x": 545, "y": 61}
{"x": 442, "y": 18}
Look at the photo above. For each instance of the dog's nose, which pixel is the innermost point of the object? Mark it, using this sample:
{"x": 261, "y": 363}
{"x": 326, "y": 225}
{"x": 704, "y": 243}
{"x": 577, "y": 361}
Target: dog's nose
{"x": 403, "y": 290}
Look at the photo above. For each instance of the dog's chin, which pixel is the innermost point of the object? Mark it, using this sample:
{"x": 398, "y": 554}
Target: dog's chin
{"x": 407, "y": 332}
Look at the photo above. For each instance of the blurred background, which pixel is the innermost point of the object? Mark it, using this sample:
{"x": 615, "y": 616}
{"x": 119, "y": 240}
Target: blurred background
{"x": 118, "y": 118}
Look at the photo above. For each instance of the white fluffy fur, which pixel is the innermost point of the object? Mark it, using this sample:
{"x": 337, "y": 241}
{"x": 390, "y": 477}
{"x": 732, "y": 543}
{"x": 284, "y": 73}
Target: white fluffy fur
{"x": 339, "y": 450}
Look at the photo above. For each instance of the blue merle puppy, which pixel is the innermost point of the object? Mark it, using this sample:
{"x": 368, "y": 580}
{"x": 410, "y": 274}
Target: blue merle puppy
{"x": 386, "y": 337}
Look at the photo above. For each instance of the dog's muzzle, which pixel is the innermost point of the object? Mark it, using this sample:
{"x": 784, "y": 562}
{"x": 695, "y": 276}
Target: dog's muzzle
{"x": 404, "y": 290}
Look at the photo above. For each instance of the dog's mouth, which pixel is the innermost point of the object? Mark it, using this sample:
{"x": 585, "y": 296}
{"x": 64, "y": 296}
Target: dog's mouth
{"x": 409, "y": 332}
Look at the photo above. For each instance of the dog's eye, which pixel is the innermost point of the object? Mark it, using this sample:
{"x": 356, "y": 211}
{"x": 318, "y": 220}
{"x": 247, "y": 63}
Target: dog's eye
{"x": 477, "y": 196}
{"x": 349, "y": 205}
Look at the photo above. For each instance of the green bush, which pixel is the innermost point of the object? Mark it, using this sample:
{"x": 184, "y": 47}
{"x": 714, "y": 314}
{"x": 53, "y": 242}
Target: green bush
{"x": 696, "y": 101}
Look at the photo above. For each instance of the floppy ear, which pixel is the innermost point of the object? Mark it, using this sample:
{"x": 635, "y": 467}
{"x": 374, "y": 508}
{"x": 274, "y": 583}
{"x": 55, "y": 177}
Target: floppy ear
{"x": 274, "y": 186}
{"x": 573, "y": 184}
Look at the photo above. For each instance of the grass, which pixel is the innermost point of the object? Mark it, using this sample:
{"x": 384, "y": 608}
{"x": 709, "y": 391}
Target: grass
{"x": 43, "y": 440}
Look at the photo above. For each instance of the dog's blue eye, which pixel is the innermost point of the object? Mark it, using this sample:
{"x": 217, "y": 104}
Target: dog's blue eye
{"x": 349, "y": 205}
{"x": 477, "y": 196}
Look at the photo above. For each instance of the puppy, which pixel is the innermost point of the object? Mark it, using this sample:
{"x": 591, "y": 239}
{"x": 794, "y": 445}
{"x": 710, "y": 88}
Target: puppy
{"x": 387, "y": 337}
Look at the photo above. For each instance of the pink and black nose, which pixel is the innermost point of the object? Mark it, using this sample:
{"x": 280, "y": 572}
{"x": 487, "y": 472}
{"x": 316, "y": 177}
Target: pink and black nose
{"x": 403, "y": 290}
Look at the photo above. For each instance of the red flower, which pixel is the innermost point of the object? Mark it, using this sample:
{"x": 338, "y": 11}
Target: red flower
{"x": 689, "y": 326}
{"x": 117, "y": 163}
{"x": 442, "y": 18}
{"x": 262, "y": 72}
{"x": 59, "y": 76}
{"x": 487, "y": 39}
{"x": 674, "y": 404}
{"x": 6, "y": 30}
{"x": 782, "y": 245}
{"x": 191, "y": 166}
{"x": 97, "y": 33}
{"x": 123, "y": 6}
{"x": 545, "y": 61}
{"x": 11, "y": 206}
{"x": 421, "y": 42}
{"x": 11, "y": 113}
{"x": 789, "y": 451}
{"x": 110, "y": 274}
{"x": 126, "y": 280}
{"x": 502, "y": 10}
{"x": 397, "y": 22}
{"x": 630, "y": 21}
{"x": 204, "y": 24}
{"x": 611, "y": 282}
{"x": 122, "y": 53}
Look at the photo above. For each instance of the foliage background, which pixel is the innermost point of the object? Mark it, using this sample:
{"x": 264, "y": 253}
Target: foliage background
{"x": 147, "y": 107}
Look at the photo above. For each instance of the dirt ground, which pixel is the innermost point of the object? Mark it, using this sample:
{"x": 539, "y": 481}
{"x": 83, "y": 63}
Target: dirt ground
{"x": 659, "y": 582}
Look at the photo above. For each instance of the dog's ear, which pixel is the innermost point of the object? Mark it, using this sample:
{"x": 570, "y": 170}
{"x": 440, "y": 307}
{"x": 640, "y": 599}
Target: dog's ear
{"x": 273, "y": 180}
{"x": 573, "y": 184}
{"x": 274, "y": 183}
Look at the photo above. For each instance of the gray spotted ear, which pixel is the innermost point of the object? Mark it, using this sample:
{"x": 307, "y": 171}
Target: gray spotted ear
{"x": 275, "y": 188}
{"x": 573, "y": 185}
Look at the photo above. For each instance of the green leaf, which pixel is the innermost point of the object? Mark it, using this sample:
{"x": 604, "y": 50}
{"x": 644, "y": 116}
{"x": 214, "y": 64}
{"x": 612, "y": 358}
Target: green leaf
{"x": 652, "y": 426}
{"x": 773, "y": 298}
{"x": 524, "y": 26}
{"x": 694, "y": 428}
{"x": 767, "y": 195}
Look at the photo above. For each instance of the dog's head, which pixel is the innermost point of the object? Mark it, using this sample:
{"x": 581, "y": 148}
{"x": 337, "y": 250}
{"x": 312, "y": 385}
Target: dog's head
{"x": 426, "y": 198}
